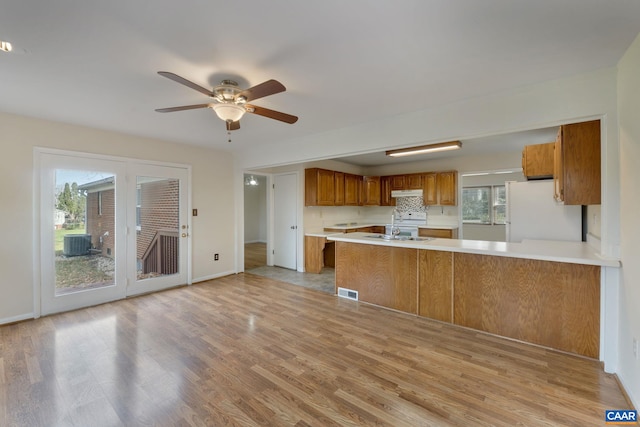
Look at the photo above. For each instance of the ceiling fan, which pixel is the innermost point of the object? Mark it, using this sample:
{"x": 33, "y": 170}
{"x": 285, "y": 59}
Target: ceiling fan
{"x": 230, "y": 102}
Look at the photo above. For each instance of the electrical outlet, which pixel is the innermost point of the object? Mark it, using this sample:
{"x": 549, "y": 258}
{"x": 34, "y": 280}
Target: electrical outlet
{"x": 216, "y": 257}
{"x": 636, "y": 351}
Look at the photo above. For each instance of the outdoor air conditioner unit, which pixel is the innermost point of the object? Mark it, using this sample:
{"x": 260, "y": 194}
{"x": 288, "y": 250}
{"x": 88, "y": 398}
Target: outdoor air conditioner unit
{"x": 76, "y": 244}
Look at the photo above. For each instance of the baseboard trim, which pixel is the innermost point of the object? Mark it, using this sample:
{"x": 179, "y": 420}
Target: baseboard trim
{"x": 624, "y": 393}
{"x": 16, "y": 319}
{"x": 213, "y": 276}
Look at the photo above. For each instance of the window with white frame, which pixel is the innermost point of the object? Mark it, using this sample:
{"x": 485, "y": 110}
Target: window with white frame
{"x": 484, "y": 204}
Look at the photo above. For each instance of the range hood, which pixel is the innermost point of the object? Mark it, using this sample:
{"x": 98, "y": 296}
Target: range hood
{"x": 406, "y": 193}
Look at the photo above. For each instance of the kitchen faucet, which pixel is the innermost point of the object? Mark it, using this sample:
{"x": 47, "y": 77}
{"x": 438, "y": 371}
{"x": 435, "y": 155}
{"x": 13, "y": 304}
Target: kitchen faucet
{"x": 395, "y": 230}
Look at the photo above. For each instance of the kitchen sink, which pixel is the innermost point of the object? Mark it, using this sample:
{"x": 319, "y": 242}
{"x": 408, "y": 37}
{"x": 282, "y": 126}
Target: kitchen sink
{"x": 400, "y": 238}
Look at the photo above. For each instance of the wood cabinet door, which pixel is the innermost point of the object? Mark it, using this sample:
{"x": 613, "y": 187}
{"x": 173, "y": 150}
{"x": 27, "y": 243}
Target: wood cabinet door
{"x": 430, "y": 188}
{"x": 319, "y": 187}
{"x": 379, "y": 229}
{"x": 397, "y": 182}
{"x": 371, "y": 191}
{"x": 326, "y": 188}
{"x": 435, "y": 285}
{"x": 537, "y": 161}
{"x": 558, "y": 181}
{"x": 351, "y": 189}
{"x": 447, "y": 188}
{"x": 339, "y": 188}
{"x": 385, "y": 192}
{"x": 435, "y": 232}
{"x": 413, "y": 181}
{"x": 581, "y": 172}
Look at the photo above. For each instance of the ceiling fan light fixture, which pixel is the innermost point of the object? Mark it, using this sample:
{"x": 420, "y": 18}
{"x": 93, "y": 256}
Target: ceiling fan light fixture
{"x": 443, "y": 146}
{"x": 229, "y": 112}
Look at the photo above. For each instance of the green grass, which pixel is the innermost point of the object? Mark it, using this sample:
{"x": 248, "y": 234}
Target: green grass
{"x": 59, "y": 237}
{"x": 82, "y": 271}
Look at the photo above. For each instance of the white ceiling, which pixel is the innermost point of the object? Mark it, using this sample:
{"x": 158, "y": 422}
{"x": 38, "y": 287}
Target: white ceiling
{"x": 344, "y": 63}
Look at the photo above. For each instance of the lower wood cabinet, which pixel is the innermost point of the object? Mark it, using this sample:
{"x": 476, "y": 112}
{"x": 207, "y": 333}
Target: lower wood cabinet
{"x": 379, "y": 229}
{"x": 382, "y": 275}
{"x": 443, "y": 233}
{"x": 318, "y": 253}
{"x": 435, "y": 285}
{"x": 553, "y": 304}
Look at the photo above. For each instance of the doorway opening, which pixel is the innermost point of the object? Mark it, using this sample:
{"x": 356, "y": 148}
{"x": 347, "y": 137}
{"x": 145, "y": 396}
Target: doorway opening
{"x": 255, "y": 221}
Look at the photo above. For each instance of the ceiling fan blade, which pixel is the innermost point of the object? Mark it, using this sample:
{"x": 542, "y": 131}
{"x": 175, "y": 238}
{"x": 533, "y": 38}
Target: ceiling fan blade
{"x": 233, "y": 125}
{"x": 277, "y": 115}
{"x": 186, "y": 107}
{"x": 270, "y": 87}
{"x": 183, "y": 81}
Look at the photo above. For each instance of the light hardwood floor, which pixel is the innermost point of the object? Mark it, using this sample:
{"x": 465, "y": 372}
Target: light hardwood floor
{"x": 245, "y": 350}
{"x": 255, "y": 255}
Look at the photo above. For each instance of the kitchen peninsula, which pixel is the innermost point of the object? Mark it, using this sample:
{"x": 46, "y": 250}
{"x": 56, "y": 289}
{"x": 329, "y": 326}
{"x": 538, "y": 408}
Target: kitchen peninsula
{"x": 542, "y": 292}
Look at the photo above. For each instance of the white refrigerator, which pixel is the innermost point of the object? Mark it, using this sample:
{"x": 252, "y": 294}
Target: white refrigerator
{"x": 532, "y": 213}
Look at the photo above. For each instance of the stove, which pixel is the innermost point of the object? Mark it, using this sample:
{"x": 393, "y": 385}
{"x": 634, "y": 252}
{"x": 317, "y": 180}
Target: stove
{"x": 407, "y": 223}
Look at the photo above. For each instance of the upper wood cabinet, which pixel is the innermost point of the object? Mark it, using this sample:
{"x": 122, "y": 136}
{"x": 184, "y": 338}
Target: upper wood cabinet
{"x": 577, "y": 174}
{"x": 537, "y": 161}
{"x": 448, "y": 188}
{"x": 352, "y": 184}
{"x": 319, "y": 187}
{"x": 385, "y": 192}
{"x": 397, "y": 182}
{"x": 406, "y": 182}
{"x": 413, "y": 181}
{"x": 440, "y": 188}
{"x": 430, "y": 192}
{"x": 371, "y": 191}
{"x": 339, "y": 188}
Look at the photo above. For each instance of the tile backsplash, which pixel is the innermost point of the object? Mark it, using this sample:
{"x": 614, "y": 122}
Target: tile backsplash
{"x": 411, "y": 204}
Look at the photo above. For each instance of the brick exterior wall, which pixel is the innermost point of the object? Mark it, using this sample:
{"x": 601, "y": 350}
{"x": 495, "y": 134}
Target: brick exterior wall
{"x": 98, "y": 224}
{"x": 158, "y": 210}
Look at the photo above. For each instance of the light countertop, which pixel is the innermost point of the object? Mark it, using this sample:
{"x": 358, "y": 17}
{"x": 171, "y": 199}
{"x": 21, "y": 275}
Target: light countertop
{"x": 439, "y": 227}
{"x": 323, "y": 233}
{"x": 544, "y": 250}
{"x": 352, "y": 225}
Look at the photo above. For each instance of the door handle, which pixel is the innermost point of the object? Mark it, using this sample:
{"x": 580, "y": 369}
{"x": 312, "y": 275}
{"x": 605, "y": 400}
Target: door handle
{"x": 293, "y": 227}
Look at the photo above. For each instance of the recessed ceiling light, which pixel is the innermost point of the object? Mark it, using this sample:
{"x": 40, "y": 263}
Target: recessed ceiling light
{"x": 5, "y": 46}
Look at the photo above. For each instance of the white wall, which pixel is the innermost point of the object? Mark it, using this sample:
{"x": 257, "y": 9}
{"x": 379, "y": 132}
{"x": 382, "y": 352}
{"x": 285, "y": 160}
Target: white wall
{"x": 629, "y": 317}
{"x": 255, "y": 211}
{"x": 212, "y": 229}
